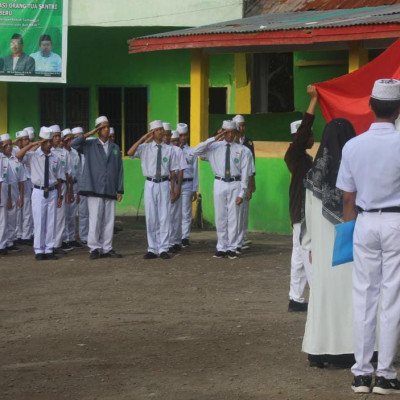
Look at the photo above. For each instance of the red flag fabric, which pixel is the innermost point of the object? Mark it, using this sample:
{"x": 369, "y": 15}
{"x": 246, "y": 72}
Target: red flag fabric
{"x": 348, "y": 96}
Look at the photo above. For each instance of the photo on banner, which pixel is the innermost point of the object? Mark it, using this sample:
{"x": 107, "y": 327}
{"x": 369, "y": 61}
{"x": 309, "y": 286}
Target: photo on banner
{"x": 33, "y": 40}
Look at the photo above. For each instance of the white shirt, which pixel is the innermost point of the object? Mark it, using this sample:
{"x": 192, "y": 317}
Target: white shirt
{"x": 181, "y": 157}
{"x": 75, "y": 164}
{"x": 37, "y": 160}
{"x": 147, "y": 152}
{"x": 105, "y": 146}
{"x": 215, "y": 153}
{"x": 12, "y": 172}
{"x": 370, "y": 166}
{"x": 63, "y": 156}
{"x": 191, "y": 172}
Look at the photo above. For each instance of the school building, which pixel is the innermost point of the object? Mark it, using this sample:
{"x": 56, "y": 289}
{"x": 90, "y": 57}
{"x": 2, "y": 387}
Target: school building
{"x": 136, "y": 64}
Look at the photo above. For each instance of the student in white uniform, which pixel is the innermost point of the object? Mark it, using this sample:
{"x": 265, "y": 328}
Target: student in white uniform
{"x": 70, "y": 207}
{"x": 83, "y": 211}
{"x": 230, "y": 165}
{"x": 369, "y": 175}
{"x": 176, "y": 206}
{"x": 46, "y": 194}
{"x": 158, "y": 162}
{"x": 190, "y": 182}
{"x": 24, "y": 214}
{"x": 13, "y": 174}
{"x": 243, "y": 217}
{"x": 63, "y": 156}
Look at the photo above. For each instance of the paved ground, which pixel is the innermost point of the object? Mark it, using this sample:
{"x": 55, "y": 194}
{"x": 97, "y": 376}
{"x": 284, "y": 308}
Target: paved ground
{"x": 192, "y": 327}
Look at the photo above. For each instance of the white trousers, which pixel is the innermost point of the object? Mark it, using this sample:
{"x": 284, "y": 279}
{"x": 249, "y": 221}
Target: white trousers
{"x": 157, "y": 203}
{"x": 83, "y": 218}
{"x": 376, "y": 272}
{"x": 60, "y": 221}
{"x": 101, "y": 223}
{"x": 3, "y": 226}
{"x": 175, "y": 234}
{"x": 24, "y": 214}
{"x": 44, "y": 220}
{"x": 243, "y": 221}
{"x": 12, "y": 223}
{"x": 186, "y": 209}
{"x": 70, "y": 221}
{"x": 226, "y": 214}
{"x": 300, "y": 268}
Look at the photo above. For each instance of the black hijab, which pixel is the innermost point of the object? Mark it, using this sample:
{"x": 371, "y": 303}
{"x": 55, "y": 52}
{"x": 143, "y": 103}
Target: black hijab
{"x": 321, "y": 179}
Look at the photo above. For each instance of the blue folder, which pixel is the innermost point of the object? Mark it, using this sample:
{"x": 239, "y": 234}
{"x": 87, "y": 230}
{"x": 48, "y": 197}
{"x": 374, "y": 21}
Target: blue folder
{"x": 343, "y": 247}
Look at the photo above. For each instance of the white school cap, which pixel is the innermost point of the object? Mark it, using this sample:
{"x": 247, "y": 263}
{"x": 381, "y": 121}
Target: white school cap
{"x": 112, "y": 132}
{"x": 66, "y": 132}
{"x": 166, "y": 126}
{"x": 4, "y": 137}
{"x": 175, "y": 135}
{"x": 182, "y": 128}
{"x": 21, "y": 134}
{"x": 55, "y": 129}
{"x": 46, "y": 133}
{"x": 386, "y": 89}
{"x": 156, "y": 124}
{"x": 76, "y": 130}
{"x": 294, "y": 126}
{"x": 99, "y": 120}
{"x": 238, "y": 118}
{"x": 229, "y": 125}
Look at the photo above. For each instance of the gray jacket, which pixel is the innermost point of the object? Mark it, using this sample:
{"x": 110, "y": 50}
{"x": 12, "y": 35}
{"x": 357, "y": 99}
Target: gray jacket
{"x": 24, "y": 64}
{"x": 103, "y": 175}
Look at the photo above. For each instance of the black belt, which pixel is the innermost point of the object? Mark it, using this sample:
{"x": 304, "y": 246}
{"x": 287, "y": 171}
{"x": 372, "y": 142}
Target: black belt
{"x": 187, "y": 180}
{"x": 45, "y": 189}
{"x": 62, "y": 181}
{"x": 232, "y": 179}
{"x": 162, "y": 179}
{"x": 384, "y": 210}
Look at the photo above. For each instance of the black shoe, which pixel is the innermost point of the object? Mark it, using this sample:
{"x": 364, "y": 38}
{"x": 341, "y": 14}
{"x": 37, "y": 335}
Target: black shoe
{"x": 40, "y": 256}
{"x": 27, "y": 242}
{"x": 232, "y": 255}
{"x": 185, "y": 243}
{"x": 149, "y": 256}
{"x": 172, "y": 249}
{"x": 238, "y": 251}
{"x": 94, "y": 255}
{"x": 50, "y": 256}
{"x": 19, "y": 241}
{"x": 386, "y": 386}
{"x": 75, "y": 244}
{"x": 66, "y": 246}
{"x": 111, "y": 254}
{"x": 59, "y": 250}
{"x": 3, "y": 252}
{"x": 220, "y": 254}
{"x": 84, "y": 242}
{"x": 361, "y": 384}
{"x": 295, "y": 306}
{"x": 164, "y": 255}
{"x": 177, "y": 247}
{"x": 13, "y": 248}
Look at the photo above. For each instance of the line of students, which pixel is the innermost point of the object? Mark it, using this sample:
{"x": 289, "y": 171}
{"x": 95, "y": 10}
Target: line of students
{"x": 38, "y": 209}
{"x": 171, "y": 171}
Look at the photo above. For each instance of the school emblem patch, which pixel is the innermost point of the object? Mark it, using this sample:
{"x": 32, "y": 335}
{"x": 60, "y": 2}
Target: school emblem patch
{"x": 115, "y": 151}
{"x": 165, "y": 159}
{"x": 236, "y": 160}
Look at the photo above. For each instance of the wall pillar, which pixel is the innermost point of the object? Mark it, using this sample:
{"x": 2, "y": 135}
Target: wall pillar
{"x": 242, "y": 84}
{"x": 199, "y": 74}
{"x": 357, "y": 56}
{"x": 3, "y": 108}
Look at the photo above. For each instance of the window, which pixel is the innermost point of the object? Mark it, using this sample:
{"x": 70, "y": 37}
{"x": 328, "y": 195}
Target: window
{"x": 217, "y": 103}
{"x": 67, "y": 107}
{"x": 126, "y": 109}
{"x": 272, "y": 83}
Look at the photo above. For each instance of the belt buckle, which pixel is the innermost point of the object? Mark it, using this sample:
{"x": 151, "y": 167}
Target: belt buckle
{"x": 46, "y": 189}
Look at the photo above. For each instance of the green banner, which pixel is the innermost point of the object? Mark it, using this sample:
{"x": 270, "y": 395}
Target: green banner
{"x": 33, "y": 40}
